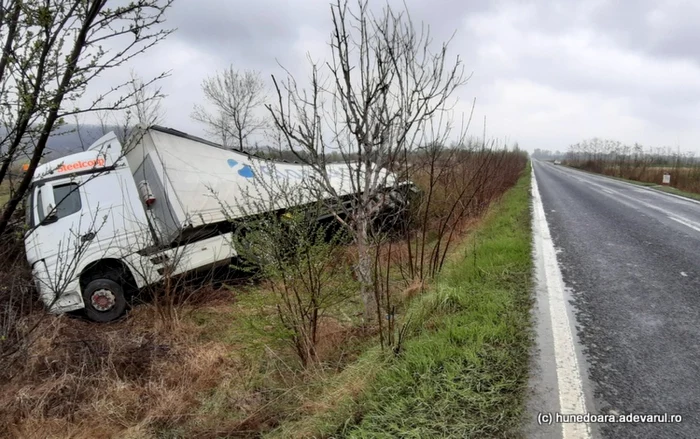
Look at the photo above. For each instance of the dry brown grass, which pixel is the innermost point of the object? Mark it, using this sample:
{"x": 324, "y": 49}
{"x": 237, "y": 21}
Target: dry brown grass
{"x": 140, "y": 377}
{"x": 684, "y": 177}
{"x": 77, "y": 381}
{"x": 210, "y": 376}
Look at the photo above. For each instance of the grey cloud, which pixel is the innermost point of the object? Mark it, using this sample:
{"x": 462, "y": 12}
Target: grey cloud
{"x": 252, "y": 33}
{"x": 627, "y": 31}
{"x": 640, "y": 58}
{"x": 664, "y": 29}
{"x": 261, "y": 31}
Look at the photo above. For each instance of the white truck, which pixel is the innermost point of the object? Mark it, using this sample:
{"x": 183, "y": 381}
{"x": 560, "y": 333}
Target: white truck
{"x": 108, "y": 221}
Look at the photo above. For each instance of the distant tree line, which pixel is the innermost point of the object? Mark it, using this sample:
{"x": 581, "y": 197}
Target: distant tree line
{"x": 546, "y": 154}
{"x": 636, "y": 162}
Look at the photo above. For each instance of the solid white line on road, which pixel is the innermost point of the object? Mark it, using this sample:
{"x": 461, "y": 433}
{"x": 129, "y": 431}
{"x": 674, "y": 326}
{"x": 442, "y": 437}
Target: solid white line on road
{"x": 633, "y": 186}
{"x": 618, "y": 196}
{"x": 686, "y": 222}
{"x": 571, "y": 396}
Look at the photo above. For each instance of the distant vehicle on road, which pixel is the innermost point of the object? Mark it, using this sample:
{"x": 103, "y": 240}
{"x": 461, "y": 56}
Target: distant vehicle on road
{"x": 557, "y": 162}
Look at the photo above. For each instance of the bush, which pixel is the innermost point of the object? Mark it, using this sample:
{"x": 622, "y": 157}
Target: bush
{"x": 302, "y": 263}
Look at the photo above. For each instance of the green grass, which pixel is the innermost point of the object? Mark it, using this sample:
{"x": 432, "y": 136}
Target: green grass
{"x": 673, "y": 190}
{"x": 337, "y": 403}
{"x": 627, "y": 180}
{"x": 463, "y": 371}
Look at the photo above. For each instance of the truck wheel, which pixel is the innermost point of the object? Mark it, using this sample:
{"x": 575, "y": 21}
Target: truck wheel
{"x": 104, "y": 300}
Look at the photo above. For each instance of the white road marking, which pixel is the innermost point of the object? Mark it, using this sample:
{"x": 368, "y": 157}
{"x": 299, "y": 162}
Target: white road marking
{"x": 635, "y": 203}
{"x": 571, "y": 396}
{"x": 618, "y": 196}
{"x": 686, "y": 222}
{"x": 572, "y": 171}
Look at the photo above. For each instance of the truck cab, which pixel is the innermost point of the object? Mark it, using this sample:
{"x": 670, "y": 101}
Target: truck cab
{"x": 83, "y": 217}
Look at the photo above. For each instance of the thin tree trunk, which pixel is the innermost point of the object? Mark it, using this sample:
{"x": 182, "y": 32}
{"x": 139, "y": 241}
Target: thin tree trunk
{"x": 364, "y": 271}
{"x": 55, "y": 106}
{"x": 11, "y": 32}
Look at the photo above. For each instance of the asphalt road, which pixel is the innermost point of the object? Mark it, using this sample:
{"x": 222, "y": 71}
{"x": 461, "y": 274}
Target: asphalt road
{"x": 630, "y": 259}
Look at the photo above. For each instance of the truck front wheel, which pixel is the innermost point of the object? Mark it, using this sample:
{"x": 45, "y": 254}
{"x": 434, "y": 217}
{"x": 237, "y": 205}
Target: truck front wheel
{"x": 104, "y": 300}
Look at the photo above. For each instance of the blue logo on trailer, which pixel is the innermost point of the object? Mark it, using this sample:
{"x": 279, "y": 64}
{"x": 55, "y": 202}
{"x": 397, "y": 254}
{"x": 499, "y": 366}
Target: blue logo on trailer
{"x": 245, "y": 170}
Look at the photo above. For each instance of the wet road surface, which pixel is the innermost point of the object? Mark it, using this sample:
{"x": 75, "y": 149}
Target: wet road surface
{"x": 630, "y": 261}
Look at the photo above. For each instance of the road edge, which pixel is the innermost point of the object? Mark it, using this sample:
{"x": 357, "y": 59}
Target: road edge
{"x": 633, "y": 184}
{"x": 551, "y": 287}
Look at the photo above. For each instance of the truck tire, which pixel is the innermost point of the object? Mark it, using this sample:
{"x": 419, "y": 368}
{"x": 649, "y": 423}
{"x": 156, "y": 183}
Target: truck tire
{"x": 104, "y": 300}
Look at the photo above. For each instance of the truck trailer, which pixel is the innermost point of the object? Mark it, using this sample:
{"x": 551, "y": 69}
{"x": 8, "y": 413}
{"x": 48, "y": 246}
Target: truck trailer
{"x": 115, "y": 218}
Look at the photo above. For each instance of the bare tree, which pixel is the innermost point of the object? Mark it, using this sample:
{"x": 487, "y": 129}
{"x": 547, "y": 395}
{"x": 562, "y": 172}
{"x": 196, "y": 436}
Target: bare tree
{"x": 235, "y": 97}
{"x": 53, "y": 50}
{"x": 147, "y": 106}
{"x": 387, "y": 92}
{"x": 144, "y": 108}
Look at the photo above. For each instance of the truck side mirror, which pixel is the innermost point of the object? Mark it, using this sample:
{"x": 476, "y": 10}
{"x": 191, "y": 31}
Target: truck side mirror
{"x": 51, "y": 218}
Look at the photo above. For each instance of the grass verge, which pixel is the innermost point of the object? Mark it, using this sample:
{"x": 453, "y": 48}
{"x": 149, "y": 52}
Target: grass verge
{"x": 463, "y": 370}
{"x": 626, "y": 180}
{"x": 464, "y": 374}
{"x": 673, "y": 190}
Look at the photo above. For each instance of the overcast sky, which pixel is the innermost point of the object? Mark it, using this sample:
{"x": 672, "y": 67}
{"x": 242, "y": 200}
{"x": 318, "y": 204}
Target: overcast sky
{"x": 546, "y": 74}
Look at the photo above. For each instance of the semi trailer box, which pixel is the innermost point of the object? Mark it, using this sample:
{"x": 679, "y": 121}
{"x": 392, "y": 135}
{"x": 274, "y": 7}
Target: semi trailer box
{"x": 194, "y": 183}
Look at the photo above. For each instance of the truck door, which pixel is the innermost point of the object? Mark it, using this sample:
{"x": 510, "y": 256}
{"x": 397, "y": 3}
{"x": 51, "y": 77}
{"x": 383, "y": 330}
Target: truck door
{"x": 63, "y": 229}
{"x": 119, "y": 213}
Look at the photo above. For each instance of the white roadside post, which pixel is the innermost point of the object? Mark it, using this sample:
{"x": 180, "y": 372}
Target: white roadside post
{"x": 667, "y": 179}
